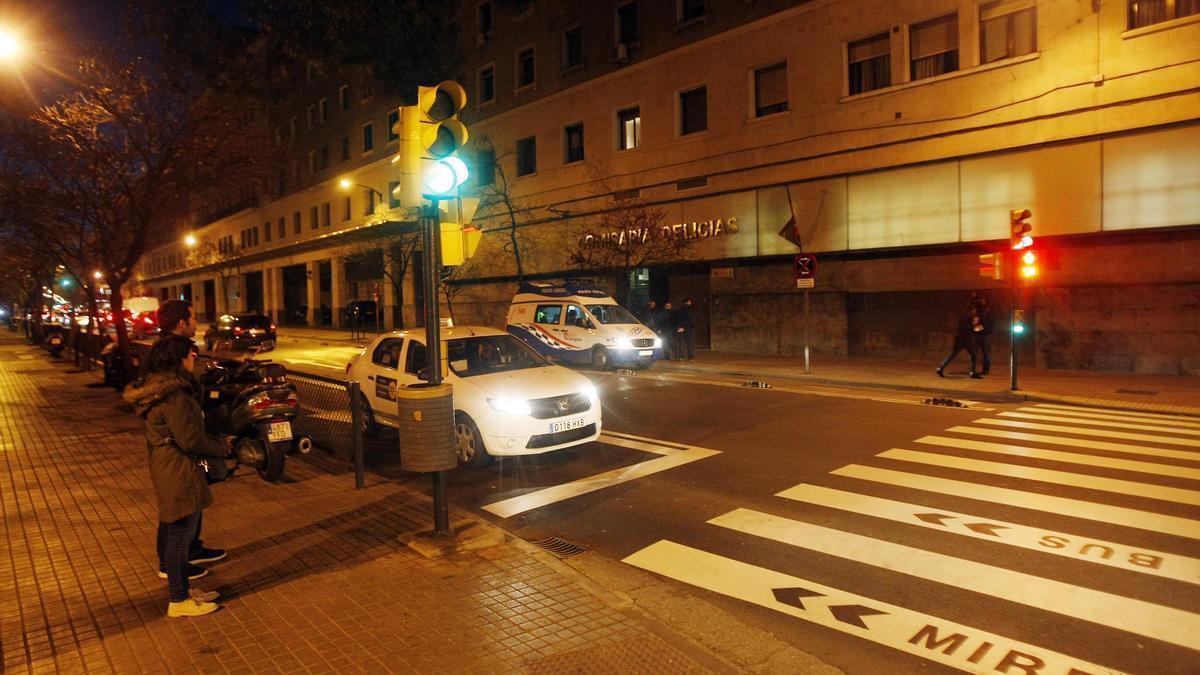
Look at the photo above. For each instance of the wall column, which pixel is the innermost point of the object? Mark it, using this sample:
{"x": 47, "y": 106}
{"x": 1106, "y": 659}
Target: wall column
{"x": 387, "y": 297}
{"x": 313, "y": 269}
{"x": 337, "y": 289}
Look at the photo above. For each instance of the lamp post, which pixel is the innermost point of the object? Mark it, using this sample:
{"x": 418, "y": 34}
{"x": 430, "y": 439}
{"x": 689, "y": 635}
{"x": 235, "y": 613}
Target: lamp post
{"x": 11, "y": 45}
{"x": 346, "y": 184}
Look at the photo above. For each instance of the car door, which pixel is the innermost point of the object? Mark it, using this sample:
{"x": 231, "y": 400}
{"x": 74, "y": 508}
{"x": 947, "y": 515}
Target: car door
{"x": 383, "y": 377}
{"x": 577, "y": 327}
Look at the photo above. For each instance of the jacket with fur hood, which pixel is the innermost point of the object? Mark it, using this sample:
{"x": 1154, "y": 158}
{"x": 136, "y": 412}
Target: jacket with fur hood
{"x": 175, "y": 438}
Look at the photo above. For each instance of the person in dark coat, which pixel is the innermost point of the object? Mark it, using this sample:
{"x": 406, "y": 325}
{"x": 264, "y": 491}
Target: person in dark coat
{"x": 685, "y": 331}
{"x": 664, "y": 328}
{"x": 964, "y": 340}
{"x": 983, "y": 334}
{"x": 649, "y": 314}
{"x": 175, "y": 439}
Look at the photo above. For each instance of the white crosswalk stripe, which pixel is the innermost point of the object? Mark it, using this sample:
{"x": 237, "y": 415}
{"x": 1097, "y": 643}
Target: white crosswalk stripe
{"x": 1103, "y": 441}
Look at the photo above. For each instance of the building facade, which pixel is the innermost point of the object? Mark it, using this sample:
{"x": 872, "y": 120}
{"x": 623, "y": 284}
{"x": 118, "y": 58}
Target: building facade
{"x": 890, "y": 140}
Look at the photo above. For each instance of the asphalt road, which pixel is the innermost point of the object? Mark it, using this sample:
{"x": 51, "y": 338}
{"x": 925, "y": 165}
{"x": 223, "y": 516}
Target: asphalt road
{"x": 874, "y": 531}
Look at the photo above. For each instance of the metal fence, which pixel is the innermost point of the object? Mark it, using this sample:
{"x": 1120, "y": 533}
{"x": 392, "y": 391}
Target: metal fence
{"x": 326, "y": 414}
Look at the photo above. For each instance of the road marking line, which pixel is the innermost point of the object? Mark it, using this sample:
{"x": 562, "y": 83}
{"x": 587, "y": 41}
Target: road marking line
{"x": 671, "y": 457}
{"x": 1036, "y": 501}
{"x": 1195, "y": 443}
{"x": 1081, "y": 414}
{"x": 1125, "y": 487}
{"x": 1080, "y": 443}
{"x": 1099, "y": 423}
{"x": 929, "y": 637}
{"x": 651, "y": 444}
{"x": 678, "y": 377}
{"x": 1139, "y": 617}
{"x": 1170, "y": 470}
{"x": 1098, "y": 551}
{"x": 1128, "y": 413}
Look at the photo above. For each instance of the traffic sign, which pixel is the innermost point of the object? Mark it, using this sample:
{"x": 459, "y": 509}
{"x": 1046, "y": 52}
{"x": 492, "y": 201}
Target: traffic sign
{"x": 805, "y": 266}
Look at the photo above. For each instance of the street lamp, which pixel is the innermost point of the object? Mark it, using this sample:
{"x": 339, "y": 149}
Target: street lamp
{"x": 10, "y": 45}
{"x": 190, "y": 240}
{"x": 346, "y": 184}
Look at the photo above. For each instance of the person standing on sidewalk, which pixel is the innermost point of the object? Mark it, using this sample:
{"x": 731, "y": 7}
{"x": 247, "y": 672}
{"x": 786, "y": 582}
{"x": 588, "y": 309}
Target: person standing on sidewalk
{"x": 685, "y": 332}
{"x": 177, "y": 443}
{"x": 664, "y": 328}
{"x": 178, "y": 318}
{"x": 964, "y": 340}
{"x": 983, "y": 334}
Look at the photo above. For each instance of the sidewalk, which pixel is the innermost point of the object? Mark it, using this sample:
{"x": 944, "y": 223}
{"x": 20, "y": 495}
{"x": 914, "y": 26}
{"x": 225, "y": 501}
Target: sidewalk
{"x": 318, "y": 579}
{"x": 1133, "y": 391}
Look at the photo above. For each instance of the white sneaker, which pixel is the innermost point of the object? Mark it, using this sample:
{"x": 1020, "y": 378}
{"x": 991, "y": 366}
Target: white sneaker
{"x": 191, "y": 607}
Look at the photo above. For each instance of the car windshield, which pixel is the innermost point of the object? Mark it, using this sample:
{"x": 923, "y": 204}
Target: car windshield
{"x": 485, "y": 354}
{"x": 611, "y": 314}
{"x": 254, "y": 321}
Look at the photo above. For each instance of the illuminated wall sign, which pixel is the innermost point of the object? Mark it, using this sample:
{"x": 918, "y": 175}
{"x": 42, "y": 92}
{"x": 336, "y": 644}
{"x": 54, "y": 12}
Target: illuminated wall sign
{"x": 696, "y": 229}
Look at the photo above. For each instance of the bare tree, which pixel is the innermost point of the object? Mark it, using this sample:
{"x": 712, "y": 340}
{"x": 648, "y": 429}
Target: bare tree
{"x": 390, "y": 257}
{"x": 509, "y": 212}
{"x": 225, "y": 263}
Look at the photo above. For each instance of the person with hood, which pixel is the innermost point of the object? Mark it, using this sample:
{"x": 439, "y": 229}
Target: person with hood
{"x": 964, "y": 341}
{"x": 174, "y": 426}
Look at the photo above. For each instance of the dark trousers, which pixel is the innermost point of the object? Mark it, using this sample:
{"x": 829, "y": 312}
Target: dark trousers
{"x": 954, "y": 352}
{"x": 194, "y": 545}
{"x": 179, "y": 536}
{"x": 685, "y": 345}
{"x": 983, "y": 344}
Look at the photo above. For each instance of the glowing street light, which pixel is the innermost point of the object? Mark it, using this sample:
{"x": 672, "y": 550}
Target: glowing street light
{"x": 190, "y": 240}
{"x": 10, "y": 45}
{"x": 346, "y": 184}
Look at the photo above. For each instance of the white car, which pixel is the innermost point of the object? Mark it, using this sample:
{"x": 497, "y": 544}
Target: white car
{"x": 508, "y": 399}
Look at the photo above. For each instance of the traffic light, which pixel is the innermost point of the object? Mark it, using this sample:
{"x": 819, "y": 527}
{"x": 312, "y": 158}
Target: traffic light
{"x": 1019, "y": 228}
{"x": 459, "y": 237}
{"x": 1018, "y": 326}
{"x": 1029, "y": 264}
{"x": 991, "y": 265}
{"x": 430, "y": 135}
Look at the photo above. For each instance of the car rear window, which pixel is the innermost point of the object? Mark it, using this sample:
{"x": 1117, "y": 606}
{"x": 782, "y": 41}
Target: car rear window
{"x": 254, "y": 321}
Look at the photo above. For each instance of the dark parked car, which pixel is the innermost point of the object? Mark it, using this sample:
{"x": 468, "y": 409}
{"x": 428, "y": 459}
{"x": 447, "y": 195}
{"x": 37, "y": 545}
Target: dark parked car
{"x": 360, "y": 313}
{"x": 241, "y": 331}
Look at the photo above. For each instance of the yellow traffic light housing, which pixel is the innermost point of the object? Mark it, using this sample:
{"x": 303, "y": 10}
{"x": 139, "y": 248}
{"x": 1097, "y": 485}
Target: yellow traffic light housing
{"x": 1019, "y": 229}
{"x": 1029, "y": 266}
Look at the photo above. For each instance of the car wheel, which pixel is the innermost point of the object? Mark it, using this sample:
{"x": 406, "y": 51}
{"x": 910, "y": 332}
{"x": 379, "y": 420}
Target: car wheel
{"x": 600, "y": 359}
{"x": 468, "y": 443}
{"x": 366, "y": 416}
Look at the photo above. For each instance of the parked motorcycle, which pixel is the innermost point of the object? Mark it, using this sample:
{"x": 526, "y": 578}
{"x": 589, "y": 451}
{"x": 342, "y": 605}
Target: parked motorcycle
{"x": 56, "y": 340}
{"x": 252, "y": 400}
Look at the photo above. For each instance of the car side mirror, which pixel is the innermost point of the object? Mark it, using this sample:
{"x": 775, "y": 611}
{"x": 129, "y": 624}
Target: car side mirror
{"x": 423, "y": 374}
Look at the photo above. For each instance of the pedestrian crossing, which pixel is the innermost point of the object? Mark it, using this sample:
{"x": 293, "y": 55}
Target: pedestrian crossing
{"x": 1088, "y": 458}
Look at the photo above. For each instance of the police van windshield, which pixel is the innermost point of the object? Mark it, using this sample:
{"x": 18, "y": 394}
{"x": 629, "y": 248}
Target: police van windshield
{"x": 491, "y": 354}
{"x": 611, "y": 314}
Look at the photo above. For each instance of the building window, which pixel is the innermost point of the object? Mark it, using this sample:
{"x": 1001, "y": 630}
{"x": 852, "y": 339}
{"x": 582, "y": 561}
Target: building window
{"x": 573, "y": 143}
{"x": 323, "y": 111}
{"x": 627, "y": 23}
{"x": 527, "y": 156}
{"x": 870, "y": 63}
{"x": 526, "y": 68}
{"x": 325, "y": 218}
{"x": 345, "y": 148}
{"x": 933, "y": 47}
{"x": 346, "y": 207}
{"x": 487, "y": 84}
{"x": 369, "y": 202}
{"x": 572, "y": 48}
{"x": 323, "y": 158}
{"x": 629, "y": 128}
{"x": 266, "y": 230}
{"x": 282, "y": 227}
{"x": 344, "y": 97}
{"x": 483, "y": 18}
{"x": 693, "y": 111}
{"x": 312, "y": 117}
{"x": 312, "y": 162}
{"x": 313, "y": 218}
{"x": 254, "y": 234}
{"x": 687, "y": 10}
{"x": 393, "y": 203}
{"x": 1005, "y": 31}
{"x": 368, "y": 137}
{"x": 485, "y": 167}
{"x": 770, "y": 90}
{"x": 393, "y": 122}
{"x": 296, "y": 223}
{"x": 1149, "y": 12}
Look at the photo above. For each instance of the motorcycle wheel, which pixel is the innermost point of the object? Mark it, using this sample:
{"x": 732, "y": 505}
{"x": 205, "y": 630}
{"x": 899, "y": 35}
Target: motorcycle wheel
{"x": 272, "y": 467}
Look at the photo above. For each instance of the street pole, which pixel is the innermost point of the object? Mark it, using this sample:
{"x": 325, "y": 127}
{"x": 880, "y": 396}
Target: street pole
{"x": 1012, "y": 323}
{"x": 431, "y": 238}
{"x": 807, "y": 370}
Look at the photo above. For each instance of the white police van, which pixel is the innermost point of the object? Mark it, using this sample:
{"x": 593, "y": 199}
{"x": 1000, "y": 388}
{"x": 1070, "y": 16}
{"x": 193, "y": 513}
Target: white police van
{"x": 575, "y": 321}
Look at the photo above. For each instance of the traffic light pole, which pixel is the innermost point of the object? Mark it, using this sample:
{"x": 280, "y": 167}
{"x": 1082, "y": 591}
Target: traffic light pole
{"x": 1012, "y": 323}
{"x": 432, "y": 240}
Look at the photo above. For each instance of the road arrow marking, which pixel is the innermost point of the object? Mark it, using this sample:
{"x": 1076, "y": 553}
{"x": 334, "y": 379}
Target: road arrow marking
{"x": 935, "y": 518}
{"x": 672, "y": 455}
{"x": 1086, "y": 549}
{"x": 985, "y": 528}
{"x": 1124, "y": 487}
{"x": 794, "y": 596}
{"x": 923, "y": 635}
{"x": 1176, "y": 626}
{"x": 852, "y": 614}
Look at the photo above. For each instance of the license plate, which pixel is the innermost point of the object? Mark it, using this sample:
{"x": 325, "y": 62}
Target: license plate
{"x": 280, "y": 431}
{"x": 566, "y": 425}
{"x": 646, "y": 352}
{"x": 55, "y": 341}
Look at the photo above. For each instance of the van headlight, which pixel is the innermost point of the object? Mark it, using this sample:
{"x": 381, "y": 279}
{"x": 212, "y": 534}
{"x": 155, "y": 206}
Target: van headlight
{"x": 622, "y": 343}
{"x": 510, "y": 406}
{"x": 593, "y": 396}
{"x": 657, "y": 342}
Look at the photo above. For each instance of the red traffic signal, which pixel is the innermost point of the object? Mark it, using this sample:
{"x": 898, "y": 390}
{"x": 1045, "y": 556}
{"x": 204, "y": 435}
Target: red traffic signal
{"x": 1029, "y": 264}
{"x": 1019, "y": 228}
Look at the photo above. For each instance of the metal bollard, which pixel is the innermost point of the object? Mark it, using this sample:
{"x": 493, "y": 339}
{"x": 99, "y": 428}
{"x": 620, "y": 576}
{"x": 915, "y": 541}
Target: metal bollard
{"x": 356, "y": 422}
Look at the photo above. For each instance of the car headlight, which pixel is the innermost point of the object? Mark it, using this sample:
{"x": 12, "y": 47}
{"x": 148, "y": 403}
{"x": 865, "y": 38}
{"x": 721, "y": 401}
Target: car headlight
{"x": 622, "y": 343}
{"x": 657, "y": 342}
{"x": 510, "y": 406}
{"x": 592, "y": 395}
